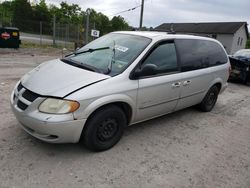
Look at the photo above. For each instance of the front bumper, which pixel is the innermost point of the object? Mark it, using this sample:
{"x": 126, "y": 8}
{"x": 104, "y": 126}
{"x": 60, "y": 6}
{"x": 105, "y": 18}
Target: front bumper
{"x": 47, "y": 127}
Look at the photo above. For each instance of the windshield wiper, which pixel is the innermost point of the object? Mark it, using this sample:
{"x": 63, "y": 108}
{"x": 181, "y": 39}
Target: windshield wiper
{"x": 112, "y": 60}
{"x": 91, "y": 50}
{"x": 81, "y": 65}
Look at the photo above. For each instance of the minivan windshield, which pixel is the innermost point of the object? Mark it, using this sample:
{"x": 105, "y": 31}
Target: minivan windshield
{"x": 110, "y": 54}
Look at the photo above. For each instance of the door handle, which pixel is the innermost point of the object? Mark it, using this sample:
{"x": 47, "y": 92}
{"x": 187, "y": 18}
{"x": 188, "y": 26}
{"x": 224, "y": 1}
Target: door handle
{"x": 177, "y": 84}
{"x": 187, "y": 82}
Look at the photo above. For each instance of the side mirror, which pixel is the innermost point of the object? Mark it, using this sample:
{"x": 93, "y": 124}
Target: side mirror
{"x": 147, "y": 70}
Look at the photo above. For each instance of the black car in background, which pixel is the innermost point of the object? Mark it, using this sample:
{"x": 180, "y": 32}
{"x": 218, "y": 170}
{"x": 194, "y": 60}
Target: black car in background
{"x": 9, "y": 37}
{"x": 240, "y": 64}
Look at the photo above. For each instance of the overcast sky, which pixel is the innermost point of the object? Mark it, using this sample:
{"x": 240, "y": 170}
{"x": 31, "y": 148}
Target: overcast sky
{"x": 162, "y": 11}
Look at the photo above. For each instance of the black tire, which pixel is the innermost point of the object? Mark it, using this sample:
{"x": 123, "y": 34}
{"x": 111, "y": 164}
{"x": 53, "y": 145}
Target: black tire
{"x": 247, "y": 80}
{"x": 210, "y": 99}
{"x": 104, "y": 128}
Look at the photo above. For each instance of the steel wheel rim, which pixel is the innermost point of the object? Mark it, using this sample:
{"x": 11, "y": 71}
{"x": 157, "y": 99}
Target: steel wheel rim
{"x": 107, "y": 130}
{"x": 211, "y": 98}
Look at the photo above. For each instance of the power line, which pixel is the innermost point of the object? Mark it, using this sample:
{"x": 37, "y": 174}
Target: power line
{"x": 127, "y": 10}
{"x": 105, "y": 10}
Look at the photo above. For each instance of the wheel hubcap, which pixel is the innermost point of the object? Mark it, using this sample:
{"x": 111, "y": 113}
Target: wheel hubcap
{"x": 107, "y": 129}
{"x": 211, "y": 98}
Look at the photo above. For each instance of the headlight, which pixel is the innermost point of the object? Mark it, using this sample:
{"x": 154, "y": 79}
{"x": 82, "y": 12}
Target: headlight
{"x": 58, "y": 106}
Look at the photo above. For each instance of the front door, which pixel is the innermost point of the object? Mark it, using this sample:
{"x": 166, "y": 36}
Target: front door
{"x": 158, "y": 94}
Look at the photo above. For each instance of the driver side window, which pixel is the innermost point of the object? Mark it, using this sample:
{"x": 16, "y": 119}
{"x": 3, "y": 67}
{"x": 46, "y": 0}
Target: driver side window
{"x": 164, "y": 57}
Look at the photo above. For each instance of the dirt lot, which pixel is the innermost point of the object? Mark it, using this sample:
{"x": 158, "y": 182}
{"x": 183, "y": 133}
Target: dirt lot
{"x": 184, "y": 149}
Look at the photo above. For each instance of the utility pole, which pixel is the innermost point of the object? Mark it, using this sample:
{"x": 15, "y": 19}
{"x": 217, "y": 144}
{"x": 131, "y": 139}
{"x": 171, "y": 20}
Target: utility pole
{"x": 54, "y": 30}
{"x": 142, "y": 9}
{"x": 87, "y": 26}
{"x": 41, "y": 32}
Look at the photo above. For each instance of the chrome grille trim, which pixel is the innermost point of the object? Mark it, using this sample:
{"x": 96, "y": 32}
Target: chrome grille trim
{"x": 23, "y": 97}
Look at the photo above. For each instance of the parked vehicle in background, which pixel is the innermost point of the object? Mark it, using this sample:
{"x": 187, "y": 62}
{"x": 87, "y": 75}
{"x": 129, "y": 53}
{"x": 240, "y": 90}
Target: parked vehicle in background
{"x": 240, "y": 63}
{"x": 9, "y": 37}
{"x": 118, "y": 80}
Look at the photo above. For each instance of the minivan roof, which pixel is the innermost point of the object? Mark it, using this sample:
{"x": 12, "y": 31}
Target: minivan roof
{"x": 10, "y": 28}
{"x": 157, "y": 34}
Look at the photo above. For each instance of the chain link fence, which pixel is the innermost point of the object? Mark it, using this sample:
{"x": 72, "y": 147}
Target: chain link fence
{"x": 69, "y": 33}
{"x": 64, "y": 35}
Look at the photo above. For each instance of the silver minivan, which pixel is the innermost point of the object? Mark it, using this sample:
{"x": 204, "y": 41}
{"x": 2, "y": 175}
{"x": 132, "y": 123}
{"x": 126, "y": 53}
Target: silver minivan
{"x": 118, "y": 80}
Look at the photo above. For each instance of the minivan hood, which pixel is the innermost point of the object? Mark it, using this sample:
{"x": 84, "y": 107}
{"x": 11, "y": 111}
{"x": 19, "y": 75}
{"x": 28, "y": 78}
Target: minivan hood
{"x": 56, "y": 78}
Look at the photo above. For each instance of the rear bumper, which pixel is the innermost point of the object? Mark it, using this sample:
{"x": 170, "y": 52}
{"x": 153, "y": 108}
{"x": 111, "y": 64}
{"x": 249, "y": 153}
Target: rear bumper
{"x": 223, "y": 88}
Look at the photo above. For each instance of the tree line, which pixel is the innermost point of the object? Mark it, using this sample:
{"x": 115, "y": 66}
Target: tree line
{"x": 27, "y": 15}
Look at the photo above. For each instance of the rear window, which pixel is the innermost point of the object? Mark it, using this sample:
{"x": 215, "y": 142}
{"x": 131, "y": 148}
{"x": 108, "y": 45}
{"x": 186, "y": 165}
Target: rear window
{"x": 198, "y": 54}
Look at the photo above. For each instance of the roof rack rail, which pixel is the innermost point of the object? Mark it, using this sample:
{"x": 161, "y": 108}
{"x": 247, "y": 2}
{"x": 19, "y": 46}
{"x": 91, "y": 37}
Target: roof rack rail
{"x": 171, "y": 32}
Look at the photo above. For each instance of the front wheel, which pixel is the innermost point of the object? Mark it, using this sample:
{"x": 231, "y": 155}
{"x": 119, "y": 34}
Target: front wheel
{"x": 209, "y": 100}
{"x": 104, "y": 128}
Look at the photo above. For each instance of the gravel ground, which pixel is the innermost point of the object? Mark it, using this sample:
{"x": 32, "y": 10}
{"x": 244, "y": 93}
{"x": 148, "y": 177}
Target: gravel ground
{"x": 184, "y": 149}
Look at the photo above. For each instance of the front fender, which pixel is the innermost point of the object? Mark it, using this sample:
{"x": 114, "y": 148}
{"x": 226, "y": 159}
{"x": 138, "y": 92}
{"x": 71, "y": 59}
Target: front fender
{"x": 93, "y": 106}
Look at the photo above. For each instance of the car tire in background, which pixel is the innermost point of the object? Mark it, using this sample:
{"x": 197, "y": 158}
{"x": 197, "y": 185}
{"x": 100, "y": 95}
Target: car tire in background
{"x": 104, "y": 128}
{"x": 247, "y": 79}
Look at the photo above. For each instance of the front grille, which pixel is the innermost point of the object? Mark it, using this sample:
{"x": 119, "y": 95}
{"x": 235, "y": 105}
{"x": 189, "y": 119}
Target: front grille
{"x": 19, "y": 87}
{"x": 24, "y": 97}
{"x": 21, "y": 105}
{"x": 29, "y": 95}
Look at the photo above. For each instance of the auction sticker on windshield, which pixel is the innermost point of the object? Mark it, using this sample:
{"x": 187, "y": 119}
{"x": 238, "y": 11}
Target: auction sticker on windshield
{"x": 121, "y": 48}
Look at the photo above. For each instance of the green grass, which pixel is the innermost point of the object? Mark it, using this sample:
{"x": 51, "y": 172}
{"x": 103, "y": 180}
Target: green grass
{"x": 26, "y": 44}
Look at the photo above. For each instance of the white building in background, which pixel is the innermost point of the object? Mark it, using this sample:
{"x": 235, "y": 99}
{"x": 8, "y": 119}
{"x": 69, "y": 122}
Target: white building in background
{"x": 233, "y": 35}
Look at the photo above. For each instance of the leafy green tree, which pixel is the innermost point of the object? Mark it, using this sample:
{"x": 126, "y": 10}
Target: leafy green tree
{"x": 27, "y": 16}
{"x": 67, "y": 13}
{"x": 99, "y": 21}
{"x": 22, "y": 14}
{"x": 103, "y": 23}
{"x": 118, "y": 23}
{"x": 41, "y": 12}
{"x": 6, "y": 12}
{"x": 54, "y": 10}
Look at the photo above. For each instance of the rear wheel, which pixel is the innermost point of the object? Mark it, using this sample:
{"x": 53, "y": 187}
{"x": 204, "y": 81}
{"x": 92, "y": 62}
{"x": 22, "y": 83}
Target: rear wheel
{"x": 104, "y": 128}
{"x": 209, "y": 100}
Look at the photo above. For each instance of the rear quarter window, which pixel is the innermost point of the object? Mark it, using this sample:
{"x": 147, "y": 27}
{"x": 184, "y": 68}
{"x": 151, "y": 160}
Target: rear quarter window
{"x": 197, "y": 54}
